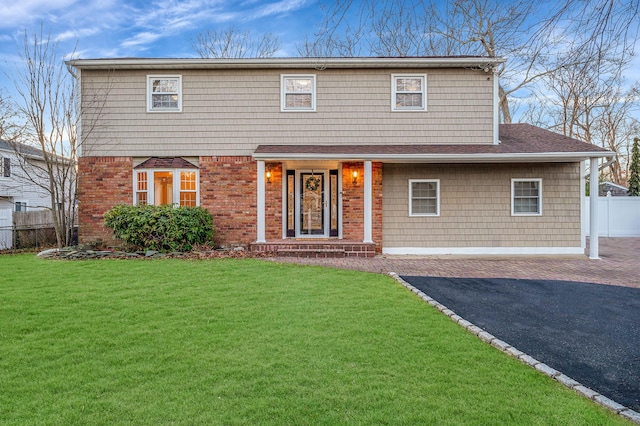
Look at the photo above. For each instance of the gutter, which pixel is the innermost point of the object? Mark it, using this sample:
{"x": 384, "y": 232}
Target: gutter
{"x": 484, "y": 63}
{"x": 439, "y": 158}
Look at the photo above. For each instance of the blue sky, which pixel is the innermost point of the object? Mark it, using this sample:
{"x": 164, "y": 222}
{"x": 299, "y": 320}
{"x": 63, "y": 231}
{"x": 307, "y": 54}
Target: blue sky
{"x": 155, "y": 28}
{"x": 150, "y": 28}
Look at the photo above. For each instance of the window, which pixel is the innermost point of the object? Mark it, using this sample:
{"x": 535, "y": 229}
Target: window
{"x": 424, "y": 197}
{"x": 164, "y": 93}
{"x": 298, "y": 93}
{"x": 5, "y": 167}
{"x": 157, "y": 187}
{"x": 409, "y": 92}
{"x": 526, "y": 197}
{"x": 20, "y": 206}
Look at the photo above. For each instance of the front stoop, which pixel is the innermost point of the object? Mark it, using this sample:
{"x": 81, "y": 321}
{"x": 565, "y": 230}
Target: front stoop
{"x": 317, "y": 249}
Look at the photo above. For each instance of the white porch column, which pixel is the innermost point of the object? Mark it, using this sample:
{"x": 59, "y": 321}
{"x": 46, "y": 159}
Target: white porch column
{"x": 261, "y": 204}
{"x": 368, "y": 202}
{"x": 593, "y": 207}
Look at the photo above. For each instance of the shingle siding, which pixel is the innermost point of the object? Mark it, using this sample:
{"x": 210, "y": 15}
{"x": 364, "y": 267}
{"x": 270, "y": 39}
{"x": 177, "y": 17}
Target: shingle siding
{"x": 475, "y": 206}
{"x": 229, "y": 112}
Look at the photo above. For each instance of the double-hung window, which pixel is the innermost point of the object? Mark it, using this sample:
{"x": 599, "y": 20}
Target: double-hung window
{"x": 424, "y": 197}
{"x": 164, "y": 93}
{"x": 409, "y": 92}
{"x": 298, "y": 92}
{"x": 5, "y": 167}
{"x": 158, "y": 187}
{"x": 526, "y": 197}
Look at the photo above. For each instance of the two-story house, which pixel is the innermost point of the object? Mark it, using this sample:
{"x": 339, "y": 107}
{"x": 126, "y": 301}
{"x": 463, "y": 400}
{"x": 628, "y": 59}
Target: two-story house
{"x": 333, "y": 155}
{"x": 22, "y": 186}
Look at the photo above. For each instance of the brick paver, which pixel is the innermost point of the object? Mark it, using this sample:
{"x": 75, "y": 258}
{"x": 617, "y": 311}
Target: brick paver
{"x": 619, "y": 264}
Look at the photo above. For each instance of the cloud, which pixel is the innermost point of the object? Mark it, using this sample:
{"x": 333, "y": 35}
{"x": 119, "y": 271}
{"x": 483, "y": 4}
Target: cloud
{"x": 139, "y": 39}
{"x": 77, "y": 34}
{"x": 280, "y": 7}
{"x": 14, "y": 14}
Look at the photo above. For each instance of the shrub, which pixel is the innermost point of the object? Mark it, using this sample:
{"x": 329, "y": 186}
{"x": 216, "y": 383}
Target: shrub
{"x": 163, "y": 228}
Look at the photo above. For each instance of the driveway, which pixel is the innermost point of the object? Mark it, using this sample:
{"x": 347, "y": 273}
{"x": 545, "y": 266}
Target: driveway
{"x": 590, "y": 332}
{"x": 547, "y": 306}
{"x": 619, "y": 264}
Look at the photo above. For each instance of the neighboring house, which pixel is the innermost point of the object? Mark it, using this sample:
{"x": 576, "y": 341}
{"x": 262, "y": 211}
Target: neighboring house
{"x": 18, "y": 192}
{"x": 613, "y": 189}
{"x": 332, "y": 155}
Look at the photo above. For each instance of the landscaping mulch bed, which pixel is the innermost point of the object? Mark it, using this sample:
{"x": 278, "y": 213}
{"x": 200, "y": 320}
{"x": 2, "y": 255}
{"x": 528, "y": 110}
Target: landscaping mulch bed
{"x": 83, "y": 253}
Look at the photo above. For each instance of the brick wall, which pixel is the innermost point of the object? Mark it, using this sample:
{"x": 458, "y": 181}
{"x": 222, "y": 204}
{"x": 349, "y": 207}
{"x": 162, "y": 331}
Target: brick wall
{"x": 102, "y": 183}
{"x": 353, "y": 203}
{"x": 273, "y": 202}
{"x": 228, "y": 191}
{"x": 376, "y": 216}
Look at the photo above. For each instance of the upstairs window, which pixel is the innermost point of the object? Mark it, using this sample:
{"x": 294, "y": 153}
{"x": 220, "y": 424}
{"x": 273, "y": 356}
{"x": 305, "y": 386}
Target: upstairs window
{"x": 526, "y": 197}
{"x": 5, "y": 167}
{"x": 164, "y": 93}
{"x": 20, "y": 206}
{"x": 298, "y": 93}
{"x": 409, "y": 92}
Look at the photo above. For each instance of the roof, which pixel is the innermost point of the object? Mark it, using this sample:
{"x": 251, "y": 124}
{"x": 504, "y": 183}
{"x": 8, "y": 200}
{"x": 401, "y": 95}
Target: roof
{"x": 518, "y": 143}
{"x": 479, "y": 62}
{"x": 21, "y": 148}
{"x": 165, "y": 163}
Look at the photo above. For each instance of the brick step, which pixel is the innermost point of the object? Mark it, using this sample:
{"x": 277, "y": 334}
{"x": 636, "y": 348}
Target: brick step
{"x": 316, "y": 249}
{"x": 300, "y": 252}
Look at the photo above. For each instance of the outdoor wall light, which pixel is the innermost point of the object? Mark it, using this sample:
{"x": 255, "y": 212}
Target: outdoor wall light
{"x": 354, "y": 176}
{"x": 268, "y": 176}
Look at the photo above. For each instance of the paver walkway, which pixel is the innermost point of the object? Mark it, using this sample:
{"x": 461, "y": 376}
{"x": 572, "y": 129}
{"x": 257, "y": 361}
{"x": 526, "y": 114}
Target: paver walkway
{"x": 619, "y": 264}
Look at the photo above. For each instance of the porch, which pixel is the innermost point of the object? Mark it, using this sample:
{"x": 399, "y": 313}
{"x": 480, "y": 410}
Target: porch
{"x": 315, "y": 248}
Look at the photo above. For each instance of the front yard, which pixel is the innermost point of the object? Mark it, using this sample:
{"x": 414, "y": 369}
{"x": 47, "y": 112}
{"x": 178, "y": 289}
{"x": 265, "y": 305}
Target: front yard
{"x": 249, "y": 342}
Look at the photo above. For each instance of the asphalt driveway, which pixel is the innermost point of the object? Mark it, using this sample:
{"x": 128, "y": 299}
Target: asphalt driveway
{"x": 590, "y": 332}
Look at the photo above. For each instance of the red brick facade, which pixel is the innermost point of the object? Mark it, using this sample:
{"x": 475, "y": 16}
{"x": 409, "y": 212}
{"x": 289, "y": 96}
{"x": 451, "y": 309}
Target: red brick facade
{"x": 228, "y": 191}
{"x": 273, "y": 202}
{"x": 353, "y": 203}
{"x": 102, "y": 183}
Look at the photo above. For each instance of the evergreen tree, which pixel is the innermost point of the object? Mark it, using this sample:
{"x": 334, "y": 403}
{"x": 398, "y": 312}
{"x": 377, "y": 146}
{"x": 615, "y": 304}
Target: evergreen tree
{"x": 634, "y": 175}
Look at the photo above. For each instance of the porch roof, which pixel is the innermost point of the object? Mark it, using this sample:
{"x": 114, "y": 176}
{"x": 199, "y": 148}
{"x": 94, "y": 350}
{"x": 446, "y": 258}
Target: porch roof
{"x": 165, "y": 163}
{"x": 518, "y": 143}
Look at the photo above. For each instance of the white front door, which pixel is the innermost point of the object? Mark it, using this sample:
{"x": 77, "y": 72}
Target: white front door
{"x": 312, "y": 204}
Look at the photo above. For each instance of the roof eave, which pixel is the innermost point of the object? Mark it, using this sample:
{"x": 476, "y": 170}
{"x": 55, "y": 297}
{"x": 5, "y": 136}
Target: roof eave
{"x": 315, "y": 63}
{"x": 547, "y": 157}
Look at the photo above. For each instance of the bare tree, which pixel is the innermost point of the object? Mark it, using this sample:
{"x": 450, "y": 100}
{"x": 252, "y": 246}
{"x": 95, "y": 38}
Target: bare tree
{"x": 532, "y": 35}
{"x": 48, "y": 106}
{"x": 232, "y": 43}
{"x": 11, "y": 127}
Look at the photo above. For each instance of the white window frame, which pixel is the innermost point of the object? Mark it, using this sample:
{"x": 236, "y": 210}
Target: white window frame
{"x": 150, "y": 79}
{"x": 3, "y": 161}
{"x": 284, "y": 93}
{"x": 437, "y": 213}
{"x": 513, "y": 184}
{"x": 395, "y": 92}
{"x": 151, "y": 190}
{"x": 24, "y": 203}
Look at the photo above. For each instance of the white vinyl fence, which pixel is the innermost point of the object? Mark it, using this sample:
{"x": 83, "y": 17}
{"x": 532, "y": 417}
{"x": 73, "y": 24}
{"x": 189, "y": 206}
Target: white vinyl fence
{"x": 617, "y": 216}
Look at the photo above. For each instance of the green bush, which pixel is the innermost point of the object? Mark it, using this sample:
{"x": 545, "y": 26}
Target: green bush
{"x": 163, "y": 228}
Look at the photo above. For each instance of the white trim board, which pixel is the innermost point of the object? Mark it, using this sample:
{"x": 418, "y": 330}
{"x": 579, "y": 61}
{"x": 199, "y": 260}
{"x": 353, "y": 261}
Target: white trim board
{"x": 480, "y": 251}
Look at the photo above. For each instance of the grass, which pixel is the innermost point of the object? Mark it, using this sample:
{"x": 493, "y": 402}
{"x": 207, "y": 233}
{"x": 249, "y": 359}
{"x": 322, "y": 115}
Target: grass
{"x": 249, "y": 342}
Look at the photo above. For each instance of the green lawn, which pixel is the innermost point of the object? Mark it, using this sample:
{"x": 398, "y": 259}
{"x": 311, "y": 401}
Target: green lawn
{"x": 249, "y": 342}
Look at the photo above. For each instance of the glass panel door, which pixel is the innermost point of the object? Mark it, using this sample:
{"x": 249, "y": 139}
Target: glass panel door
{"x": 313, "y": 204}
